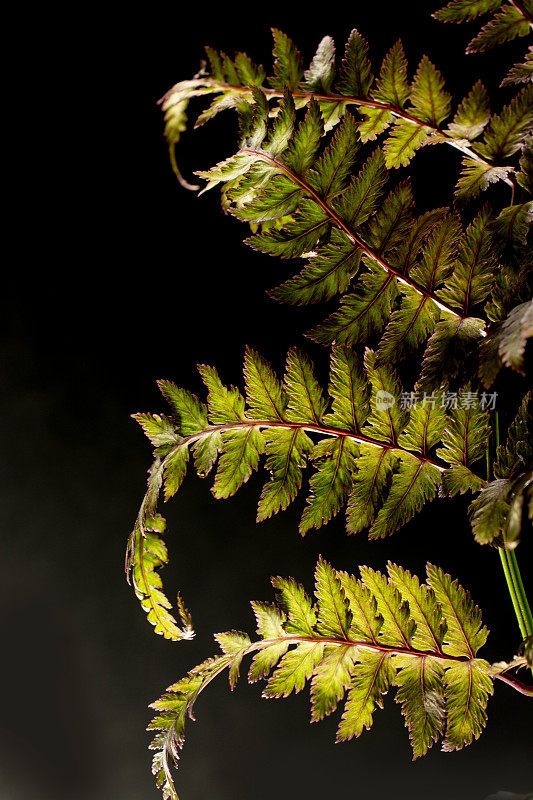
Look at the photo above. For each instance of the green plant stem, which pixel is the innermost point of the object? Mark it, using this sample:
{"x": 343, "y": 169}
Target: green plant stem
{"x": 516, "y": 590}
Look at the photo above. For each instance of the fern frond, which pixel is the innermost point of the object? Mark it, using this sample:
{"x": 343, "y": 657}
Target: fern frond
{"x": 371, "y": 450}
{"x": 412, "y": 278}
{"x": 340, "y": 231}
{"x": 360, "y": 639}
{"x": 417, "y": 110}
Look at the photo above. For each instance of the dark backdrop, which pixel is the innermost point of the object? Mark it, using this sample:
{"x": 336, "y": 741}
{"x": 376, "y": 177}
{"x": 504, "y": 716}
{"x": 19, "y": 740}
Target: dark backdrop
{"x": 122, "y": 277}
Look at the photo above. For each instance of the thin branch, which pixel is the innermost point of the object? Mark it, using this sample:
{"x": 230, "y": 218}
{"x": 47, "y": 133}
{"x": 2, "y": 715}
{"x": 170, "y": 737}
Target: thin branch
{"x": 363, "y": 102}
{"x": 305, "y": 426}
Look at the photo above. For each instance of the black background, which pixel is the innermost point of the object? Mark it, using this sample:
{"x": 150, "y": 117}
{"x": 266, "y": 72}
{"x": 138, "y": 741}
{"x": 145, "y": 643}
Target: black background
{"x": 122, "y": 277}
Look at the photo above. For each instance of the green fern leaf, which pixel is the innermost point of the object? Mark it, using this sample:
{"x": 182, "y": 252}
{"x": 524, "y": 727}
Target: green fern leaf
{"x": 431, "y": 627}
{"x": 467, "y": 690}
{"x": 525, "y": 176}
{"x": 337, "y": 226}
{"x": 270, "y": 621}
{"x": 465, "y": 634}
{"x": 490, "y": 510}
{"x": 496, "y": 514}
{"x": 374, "y": 122}
{"x": 234, "y": 644}
{"x": 361, "y": 313}
{"x": 300, "y": 154}
{"x": 438, "y": 253}
{"x": 158, "y": 428}
{"x": 328, "y": 273}
{"x": 360, "y": 639}
{"x": 373, "y": 454}
{"x": 278, "y": 199}
{"x": 392, "y": 87}
{"x": 404, "y": 258}
{"x": 334, "y": 616}
{"x": 421, "y": 697}
{"x": 349, "y": 392}
{"x": 288, "y": 68}
{"x": 305, "y": 400}
{"x": 517, "y": 328}
{"x": 473, "y": 275}
{"x": 224, "y": 404}
{"x": 506, "y": 25}
{"x": 331, "y": 483}
{"x": 506, "y": 132}
{"x": 192, "y": 414}
{"x": 409, "y": 325}
{"x": 398, "y": 627}
{"x": 366, "y": 622}
{"x": 428, "y": 97}
{"x": 146, "y": 553}
{"x": 250, "y": 74}
{"x": 264, "y": 393}
{"x": 405, "y": 139}
{"x": 295, "y": 668}
{"x": 361, "y": 198}
{"x": 355, "y": 76}
{"x": 472, "y": 115}
{"x": 464, "y": 443}
{"x": 477, "y": 176}
{"x": 287, "y": 452}
{"x": 240, "y": 457}
{"x": 466, "y": 10}
{"x": 427, "y": 421}
{"x": 283, "y": 127}
{"x": 516, "y": 454}
{"x": 414, "y": 483}
{"x": 371, "y": 679}
{"x": 371, "y": 482}
{"x": 297, "y": 603}
{"x": 388, "y": 227}
{"x": 299, "y": 236}
{"x": 331, "y": 171}
{"x": 388, "y": 417}
{"x": 506, "y": 343}
{"x": 331, "y": 678}
{"x": 511, "y": 229}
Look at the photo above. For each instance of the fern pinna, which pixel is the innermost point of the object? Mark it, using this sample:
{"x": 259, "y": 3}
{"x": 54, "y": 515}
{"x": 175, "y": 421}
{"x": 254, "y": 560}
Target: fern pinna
{"x": 448, "y": 292}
